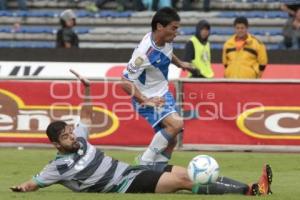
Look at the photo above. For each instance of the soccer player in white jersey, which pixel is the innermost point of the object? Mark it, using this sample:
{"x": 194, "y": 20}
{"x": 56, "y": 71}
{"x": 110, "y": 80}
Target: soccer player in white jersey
{"x": 146, "y": 80}
{"x": 81, "y": 167}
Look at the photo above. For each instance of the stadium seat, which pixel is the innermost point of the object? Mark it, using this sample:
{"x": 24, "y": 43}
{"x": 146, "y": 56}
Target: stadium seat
{"x": 230, "y": 31}
{"x": 26, "y": 44}
{"x": 109, "y": 28}
{"x": 253, "y": 14}
{"x": 40, "y": 29}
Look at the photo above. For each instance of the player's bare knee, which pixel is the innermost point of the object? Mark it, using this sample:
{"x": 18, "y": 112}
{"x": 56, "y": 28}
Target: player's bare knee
{"x": 177, "y": 126}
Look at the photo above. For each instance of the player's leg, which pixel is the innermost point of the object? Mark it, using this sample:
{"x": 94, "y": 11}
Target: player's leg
{"x": 173, "y": 125}
{"x": 222, "y": 186}
{"x": 161, "y": 147}
{"x": 149, "y": 181}
{"x": 225, "y": 185}
{"x": 167, "y": 124}
{"x": 178, "y": 179}
{"x": 171, "y": 182}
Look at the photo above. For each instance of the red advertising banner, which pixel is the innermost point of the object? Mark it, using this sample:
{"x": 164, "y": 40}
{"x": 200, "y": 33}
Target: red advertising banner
{"x": 27, "y": 107}
{"x": 215, "y": 112}
{"x": 242, "y": 113}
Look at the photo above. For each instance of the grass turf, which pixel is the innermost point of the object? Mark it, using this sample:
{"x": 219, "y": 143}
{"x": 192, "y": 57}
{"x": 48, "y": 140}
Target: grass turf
{"x": 19, "y": 165}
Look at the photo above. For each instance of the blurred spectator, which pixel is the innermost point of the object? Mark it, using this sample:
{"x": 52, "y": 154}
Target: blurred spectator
{"x": 66, "y": 37}
{"x": 244, "y": 56}
{"x": 291, "y": 31}
{"x": 197, "y": 52}
{"x": 21, "y": 3}
{"x": 138, "y": 5}
{"x": 16, "y": 27}
{"x": 187, "y": 5}
{"x": 290, "y": 7}
{"x": 156, "y": 4}
{"x": 95, "y": 5}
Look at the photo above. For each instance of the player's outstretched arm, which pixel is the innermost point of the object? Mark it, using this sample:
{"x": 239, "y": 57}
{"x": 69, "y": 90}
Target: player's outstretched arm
{"x": 183, "y": 65}
{"x": 132, "y": 90}
{"x": 87, "y": 109}
{"x": 28, "y": 186}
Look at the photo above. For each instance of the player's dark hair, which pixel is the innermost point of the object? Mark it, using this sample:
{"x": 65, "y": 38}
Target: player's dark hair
{"x": 54, "y": 129}
{"x": 164, "y": 16}
{"x": 241, "y": 20}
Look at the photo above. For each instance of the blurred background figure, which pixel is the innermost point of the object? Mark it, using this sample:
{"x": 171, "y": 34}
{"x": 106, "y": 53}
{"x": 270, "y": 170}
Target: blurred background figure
{"x": 95, "y": 5}
{"x": 66, "y": 37}
{"x": 21, "y": 3}
{"x": 187, "y": 5}
{"x": 244, "y": 56}
{"x": 290, "y": 7}
{"x": 156, "y": 4}
{"x": 291, "y": 31}
{"x": 197, "y": 52}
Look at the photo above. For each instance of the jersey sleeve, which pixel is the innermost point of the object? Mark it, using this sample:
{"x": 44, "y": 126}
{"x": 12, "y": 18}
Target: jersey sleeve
{"x": 137, "y": 64}
{"x": 48, "y": 176}
{"x": 81, "y": 130}
{"x": 139, "y": 61}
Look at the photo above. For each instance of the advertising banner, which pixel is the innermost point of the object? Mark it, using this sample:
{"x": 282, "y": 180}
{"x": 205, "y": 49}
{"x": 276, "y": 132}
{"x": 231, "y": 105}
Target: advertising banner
{"x": 236, "y": 113}
{"x": 241, "y": 113}
{"x": 27, "y": 107}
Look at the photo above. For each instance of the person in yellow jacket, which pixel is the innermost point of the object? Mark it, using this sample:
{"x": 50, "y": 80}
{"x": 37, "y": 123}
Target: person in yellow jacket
{"x": 244, "y": 56}
{"x": 197, "y": 52}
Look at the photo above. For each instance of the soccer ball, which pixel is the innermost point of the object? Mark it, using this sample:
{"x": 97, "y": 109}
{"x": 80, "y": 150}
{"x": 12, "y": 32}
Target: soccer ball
{"x": 203, "y": 169}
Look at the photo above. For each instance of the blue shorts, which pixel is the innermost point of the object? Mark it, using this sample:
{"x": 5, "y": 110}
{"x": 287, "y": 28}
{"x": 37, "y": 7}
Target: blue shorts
{"x": 155, "y": 115}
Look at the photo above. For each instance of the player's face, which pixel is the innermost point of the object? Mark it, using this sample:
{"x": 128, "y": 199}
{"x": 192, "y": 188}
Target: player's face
{"x": 67, "y": 140}
{"x": 241, "y": 30}
{"x": 169, "y": 32}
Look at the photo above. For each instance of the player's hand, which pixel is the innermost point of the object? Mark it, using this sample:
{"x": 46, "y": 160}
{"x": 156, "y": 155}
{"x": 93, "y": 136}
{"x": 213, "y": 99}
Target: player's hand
{"x": 83, "y": 80}
{"x": 186, "y": 66}
{"x": 17, "y": 189}
{"x": 154, "y": 102}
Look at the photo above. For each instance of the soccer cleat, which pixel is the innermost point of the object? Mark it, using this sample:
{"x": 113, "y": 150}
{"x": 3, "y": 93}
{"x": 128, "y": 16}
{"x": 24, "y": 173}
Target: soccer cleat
{"x": 263, "y": 187}
{"x": 265, "y": 180}
{"x": 254, "y": 190}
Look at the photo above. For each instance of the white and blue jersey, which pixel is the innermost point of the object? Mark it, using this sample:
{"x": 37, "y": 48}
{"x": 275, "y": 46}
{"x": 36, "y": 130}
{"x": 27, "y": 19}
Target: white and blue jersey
{"x": 148, "y": 69}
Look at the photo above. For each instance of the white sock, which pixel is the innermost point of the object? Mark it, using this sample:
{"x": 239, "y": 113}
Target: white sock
{"x": 161, "y": 158}
{"x": 158, "y": 144}
{"x": 165, "y": 156}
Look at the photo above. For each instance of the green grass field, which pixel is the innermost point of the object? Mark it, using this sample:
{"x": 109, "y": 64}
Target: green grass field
{"x": 19, "y": 165}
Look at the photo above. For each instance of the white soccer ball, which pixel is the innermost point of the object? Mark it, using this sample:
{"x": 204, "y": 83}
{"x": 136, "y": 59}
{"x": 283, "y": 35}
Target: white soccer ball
{"x": 203, "y": 169}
